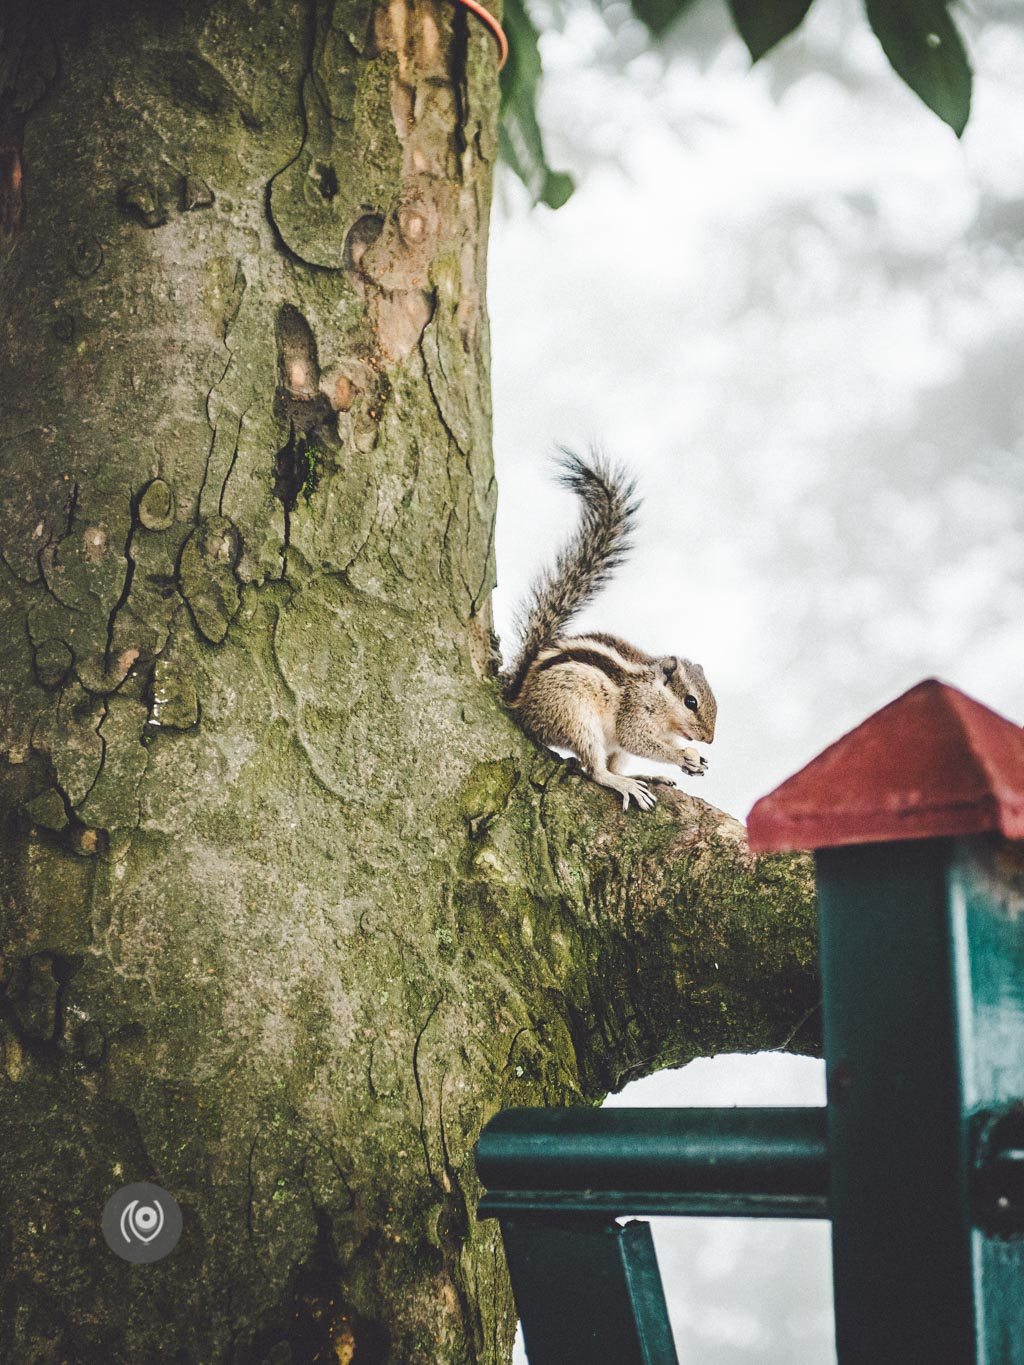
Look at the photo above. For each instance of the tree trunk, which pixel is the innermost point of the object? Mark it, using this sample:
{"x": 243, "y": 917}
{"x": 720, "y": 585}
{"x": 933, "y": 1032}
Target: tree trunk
{"x": 290, "y": 907}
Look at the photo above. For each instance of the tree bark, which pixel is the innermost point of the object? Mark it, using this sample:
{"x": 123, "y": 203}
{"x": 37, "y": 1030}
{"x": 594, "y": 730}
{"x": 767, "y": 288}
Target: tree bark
{"x": 290, "y": 907}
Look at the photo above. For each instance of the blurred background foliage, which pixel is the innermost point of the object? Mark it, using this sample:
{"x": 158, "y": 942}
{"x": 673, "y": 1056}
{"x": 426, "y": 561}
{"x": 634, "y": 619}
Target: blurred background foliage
{"x": 918, "y": 37}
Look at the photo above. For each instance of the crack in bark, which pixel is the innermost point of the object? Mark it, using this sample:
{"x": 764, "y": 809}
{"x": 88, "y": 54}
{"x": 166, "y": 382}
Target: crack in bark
{"x": 445, "y": 557}
{"x": 453, "y": 439}
{"x": 213, "y": 389}
{"x": 419, "y": 1091}
{"x": 98, "y": 730}
{"x": 292, "y": 696}
{"x": 126, "y": 587}
{"x": 115, "y": 688}
{"x": 512, "y": 1045}
{"x": 209, "y": 456}
{"x": 450, "y": 384}
{"x": 484, "y": 586}
{"x": 286, "y": 542}
{"x": 308, "y": 73}
{"x": 234, "y": 304}
{"x": 52, "y": 547}
{"x": 234, "y": 457}
{"x": 318, "y": 778}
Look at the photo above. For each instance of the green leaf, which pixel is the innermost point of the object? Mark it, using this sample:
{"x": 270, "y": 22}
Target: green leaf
{"x": 921, "y": 42}
{"x": 520, "y": 140}
{"x": 763, "y": 23}
{"x": 558, "y": 188}
{"x": 660, "y": 15}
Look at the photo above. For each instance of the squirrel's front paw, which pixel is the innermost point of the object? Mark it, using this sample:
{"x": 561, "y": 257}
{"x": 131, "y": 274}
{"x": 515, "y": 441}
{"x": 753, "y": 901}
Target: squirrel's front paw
{"x": 691, "y": 762}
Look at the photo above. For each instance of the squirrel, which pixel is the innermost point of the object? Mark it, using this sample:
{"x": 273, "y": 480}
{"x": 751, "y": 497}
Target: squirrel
{"x": 596, "y": 694}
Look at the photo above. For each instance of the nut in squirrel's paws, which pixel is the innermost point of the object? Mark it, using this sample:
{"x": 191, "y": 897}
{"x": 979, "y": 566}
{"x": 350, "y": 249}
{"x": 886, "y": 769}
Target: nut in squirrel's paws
{"x": 691, "y": 762}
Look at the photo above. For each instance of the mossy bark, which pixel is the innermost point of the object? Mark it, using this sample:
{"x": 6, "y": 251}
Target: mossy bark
{"x": 290, "y": 907}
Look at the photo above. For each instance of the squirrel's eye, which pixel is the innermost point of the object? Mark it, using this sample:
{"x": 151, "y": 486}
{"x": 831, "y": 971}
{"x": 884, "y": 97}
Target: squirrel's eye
{"x": 691, "y": 701}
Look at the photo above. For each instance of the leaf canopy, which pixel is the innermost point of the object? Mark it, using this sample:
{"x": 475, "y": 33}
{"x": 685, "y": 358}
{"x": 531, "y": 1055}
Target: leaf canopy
{"x": 919, "y": 38}
{"x": 925, "y": 49}
{"x": 762, "y": 25}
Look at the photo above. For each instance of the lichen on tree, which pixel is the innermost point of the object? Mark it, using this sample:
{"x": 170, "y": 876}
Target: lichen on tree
{"x": 289, "y": 906}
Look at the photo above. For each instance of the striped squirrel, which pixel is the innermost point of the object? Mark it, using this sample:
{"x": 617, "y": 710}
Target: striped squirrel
{"x": 595, "y": 694}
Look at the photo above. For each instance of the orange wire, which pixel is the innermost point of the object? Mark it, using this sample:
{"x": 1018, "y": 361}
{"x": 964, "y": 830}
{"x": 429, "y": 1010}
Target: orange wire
{"x": 486, "y": 17}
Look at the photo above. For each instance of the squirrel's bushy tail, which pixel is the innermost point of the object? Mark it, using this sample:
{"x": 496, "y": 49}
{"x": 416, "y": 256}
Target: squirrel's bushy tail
{"x": 584, "y": 564}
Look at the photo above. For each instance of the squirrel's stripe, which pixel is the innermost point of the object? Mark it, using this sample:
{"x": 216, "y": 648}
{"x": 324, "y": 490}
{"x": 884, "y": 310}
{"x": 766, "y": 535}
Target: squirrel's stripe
{"x": 592, "y": 658}
{"x": 621, "y": 647}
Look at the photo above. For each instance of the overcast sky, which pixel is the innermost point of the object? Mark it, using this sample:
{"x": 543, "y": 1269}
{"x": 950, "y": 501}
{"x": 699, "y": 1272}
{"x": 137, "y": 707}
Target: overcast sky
{"x": 793, "y": 303}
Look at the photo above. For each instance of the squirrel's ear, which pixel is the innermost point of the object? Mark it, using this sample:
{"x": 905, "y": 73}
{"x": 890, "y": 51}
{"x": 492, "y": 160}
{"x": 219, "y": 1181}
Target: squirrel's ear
{"x": 668, "y": 666}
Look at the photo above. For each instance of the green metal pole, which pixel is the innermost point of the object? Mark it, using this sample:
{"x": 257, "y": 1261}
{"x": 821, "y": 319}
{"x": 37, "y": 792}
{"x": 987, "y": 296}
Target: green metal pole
{"x": 897, "y": 1143}
{"x": 922, "y": 954}
{"x": 986, "y": 901}
{"x": 588, "y": 1291}
{"x": 761, "y": 1163}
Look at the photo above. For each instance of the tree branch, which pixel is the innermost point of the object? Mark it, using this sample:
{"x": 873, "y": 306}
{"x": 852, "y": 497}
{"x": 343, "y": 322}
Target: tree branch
{"x": 638, "y": 940}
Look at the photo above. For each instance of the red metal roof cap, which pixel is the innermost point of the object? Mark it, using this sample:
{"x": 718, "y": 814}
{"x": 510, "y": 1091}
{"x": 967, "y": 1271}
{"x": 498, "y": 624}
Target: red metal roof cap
{"x": 932, "y": 763}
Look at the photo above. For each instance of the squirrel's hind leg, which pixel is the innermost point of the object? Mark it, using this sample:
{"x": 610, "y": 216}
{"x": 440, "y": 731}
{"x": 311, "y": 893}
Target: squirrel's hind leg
{"x": 591, "y": 753}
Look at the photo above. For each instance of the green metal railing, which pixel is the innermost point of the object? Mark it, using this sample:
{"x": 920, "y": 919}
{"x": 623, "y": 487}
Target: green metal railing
{"x": 917, "y": 819}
